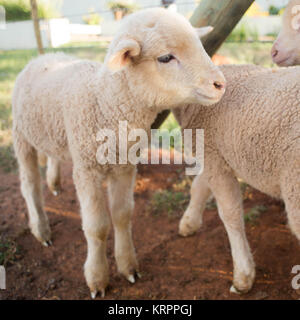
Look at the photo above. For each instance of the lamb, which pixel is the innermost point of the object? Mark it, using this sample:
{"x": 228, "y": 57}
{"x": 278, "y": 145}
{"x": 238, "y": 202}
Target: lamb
{"x": 253, "y": 133}
{"x": 286, "y": 50}
{"x": 60, "y": 103}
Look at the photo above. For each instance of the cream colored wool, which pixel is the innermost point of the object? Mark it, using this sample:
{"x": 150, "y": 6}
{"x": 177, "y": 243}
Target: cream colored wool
{"x": 60, "y": 103}
{"x": 253, "y": 133}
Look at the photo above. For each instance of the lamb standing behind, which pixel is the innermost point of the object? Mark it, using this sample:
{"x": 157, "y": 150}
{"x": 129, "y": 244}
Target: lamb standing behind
{"x": 60, "y": 104}
{"x": 252, "y": 133}
{"x": 286, "y": 48}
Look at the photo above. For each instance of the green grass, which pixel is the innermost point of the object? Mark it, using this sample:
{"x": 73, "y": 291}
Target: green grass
{"x": 170, "y": 123}
{"x": 12, "y": 62}
{"x": 9, "y": 252}
{"x": 169, "y": 201}
{"x": 8, "y": 162}
{"x": 172, "y": 201}
{"x": 243, "y": 33}
{"x": 16, "y": 10}
{"x": 248, "y": 53}
{"x": 253, "y": 214}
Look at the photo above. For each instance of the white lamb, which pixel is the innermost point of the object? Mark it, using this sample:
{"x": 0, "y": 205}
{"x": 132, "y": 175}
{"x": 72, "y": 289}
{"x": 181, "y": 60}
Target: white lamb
{"x": 253, "y": 133}
{"x": 156, "y": 61}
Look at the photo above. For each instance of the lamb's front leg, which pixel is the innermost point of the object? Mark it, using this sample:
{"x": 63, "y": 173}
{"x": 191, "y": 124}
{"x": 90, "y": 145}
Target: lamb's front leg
{"x": 191, "y": 221}
{"x": 121, "y": 188}
{"x": 226, "y": 190}
{"x": 95, "y": 222}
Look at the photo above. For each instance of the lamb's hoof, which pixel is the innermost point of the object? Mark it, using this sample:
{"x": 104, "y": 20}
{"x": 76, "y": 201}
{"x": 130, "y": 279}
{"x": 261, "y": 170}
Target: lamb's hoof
{"x": 47, "y": 243}
{"x": 55, "y": 188}
{"x": 240, "y": 290}
{"x": 186, "y": 233}
{"x": 55, "y": 193}
{"x": 94, "y": 294}
{"x": 234, "y": 290}
{"x": 97, "y": 277}
{"x": 131, "y": 278}
{"x": 42, "y": 232}
{"x": 186, "y": 230}
{"x": 243, "y": 281}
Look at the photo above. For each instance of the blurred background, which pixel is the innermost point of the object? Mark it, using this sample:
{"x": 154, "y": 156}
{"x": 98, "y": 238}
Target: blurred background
{"x": 69, "y": 22}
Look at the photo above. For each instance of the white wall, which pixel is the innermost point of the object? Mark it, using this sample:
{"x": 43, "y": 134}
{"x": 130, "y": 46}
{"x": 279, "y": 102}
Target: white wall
{"x": 263, "y": 25}
{"x": 54, "y": 32}
{"x": 59, "y": 32}
{"x": 74, "y": 10}
{"x": 20, "y": 35}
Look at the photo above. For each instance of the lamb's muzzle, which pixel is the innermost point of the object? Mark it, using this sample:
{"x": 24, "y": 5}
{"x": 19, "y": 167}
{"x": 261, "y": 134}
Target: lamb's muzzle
{"x": 286, "y": 51}
{"x": 211, "y": 91}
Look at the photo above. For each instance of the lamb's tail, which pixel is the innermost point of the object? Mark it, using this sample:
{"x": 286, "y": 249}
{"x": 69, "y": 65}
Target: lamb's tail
{"x": 42, "y": 158}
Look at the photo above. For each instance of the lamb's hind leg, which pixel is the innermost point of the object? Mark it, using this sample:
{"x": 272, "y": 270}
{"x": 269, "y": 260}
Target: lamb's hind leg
{"x": 95, "y": 222}
{"x": 121, "y": 189}
{"x": 53, "y": 176}
{"x": 31, "y": 189}
{"x": 226, "y": 189}
{"x": 192, "y": 218}
{"x": 290, "y": 188}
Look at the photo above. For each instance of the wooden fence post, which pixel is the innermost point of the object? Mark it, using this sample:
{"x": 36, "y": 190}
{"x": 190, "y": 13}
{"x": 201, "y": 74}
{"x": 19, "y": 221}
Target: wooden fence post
{"x": 223, "y": 16}
{"x": 36, "y": 24}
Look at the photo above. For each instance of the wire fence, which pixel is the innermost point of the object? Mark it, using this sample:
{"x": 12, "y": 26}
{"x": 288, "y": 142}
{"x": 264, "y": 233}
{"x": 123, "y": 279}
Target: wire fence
{"x": 191, "y": 5}
{"x": 181, "y": 4}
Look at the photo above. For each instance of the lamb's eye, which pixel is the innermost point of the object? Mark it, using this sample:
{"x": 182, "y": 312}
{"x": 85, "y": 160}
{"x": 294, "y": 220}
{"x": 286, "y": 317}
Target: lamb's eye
{"x": 166, "y": 58}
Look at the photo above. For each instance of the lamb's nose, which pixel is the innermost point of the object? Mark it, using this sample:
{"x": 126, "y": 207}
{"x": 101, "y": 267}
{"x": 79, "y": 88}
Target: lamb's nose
{"x": 219, "y": 85}
{"x": 274, "y": 52}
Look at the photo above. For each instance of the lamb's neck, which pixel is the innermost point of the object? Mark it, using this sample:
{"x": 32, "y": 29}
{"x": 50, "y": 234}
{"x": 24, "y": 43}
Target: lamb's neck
{"x": 121, "y": 103}
{"x": 193, "y": 115}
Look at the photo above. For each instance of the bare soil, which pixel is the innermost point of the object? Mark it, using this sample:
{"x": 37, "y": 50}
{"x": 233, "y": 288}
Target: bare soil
{"x": 198, "y": 267}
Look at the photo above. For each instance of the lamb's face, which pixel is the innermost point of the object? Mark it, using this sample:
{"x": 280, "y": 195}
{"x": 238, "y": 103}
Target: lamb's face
{"x": 163, "y": 55}
{"x": 286, "y": 49}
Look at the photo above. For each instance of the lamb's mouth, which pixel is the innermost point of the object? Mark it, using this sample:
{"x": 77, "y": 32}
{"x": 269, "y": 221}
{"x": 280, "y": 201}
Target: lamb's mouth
{"x": 204, "y": 96}
{"x": 283, "y": 60}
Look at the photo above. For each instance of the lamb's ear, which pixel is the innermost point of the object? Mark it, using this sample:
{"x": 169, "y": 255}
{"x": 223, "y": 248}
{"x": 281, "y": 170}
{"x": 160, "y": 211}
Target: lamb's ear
{"x": 122, "y": 54}
{"x": 204, "y": 31}
{"x": 295, "y": 17}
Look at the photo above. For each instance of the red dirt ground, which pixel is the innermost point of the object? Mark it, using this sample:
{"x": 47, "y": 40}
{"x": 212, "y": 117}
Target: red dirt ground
{"x": 198, "y": 267}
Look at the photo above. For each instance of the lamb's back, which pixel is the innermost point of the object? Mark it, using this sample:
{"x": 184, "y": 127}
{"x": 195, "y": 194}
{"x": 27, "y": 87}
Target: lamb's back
{"x": 50, "y": 88}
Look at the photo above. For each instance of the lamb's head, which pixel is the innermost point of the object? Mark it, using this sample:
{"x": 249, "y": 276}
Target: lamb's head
{"x": 162, "y": 59}
{"x": 286, "y": 49}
